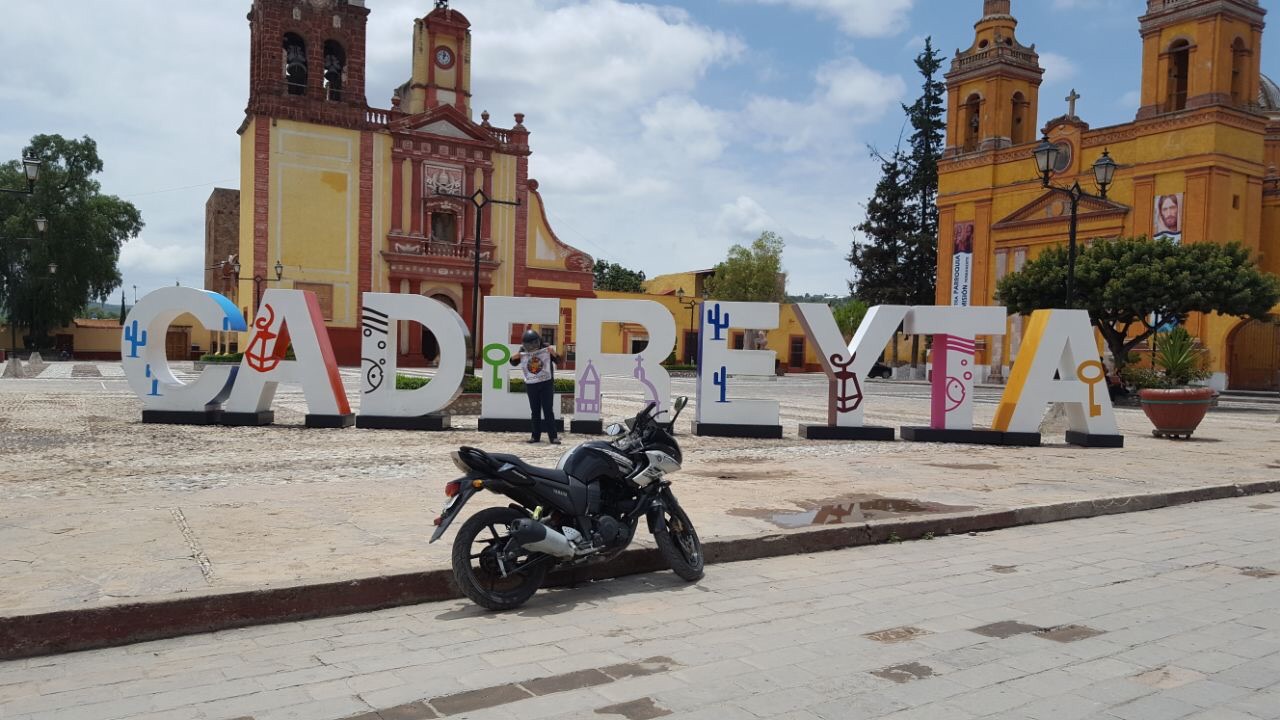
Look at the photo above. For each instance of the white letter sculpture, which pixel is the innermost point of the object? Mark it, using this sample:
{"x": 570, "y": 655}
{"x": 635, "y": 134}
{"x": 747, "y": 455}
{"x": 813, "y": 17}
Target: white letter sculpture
{"x": 955, "y": 330}
{"x": 165, "y": 399}
{"x": 719, "y": 414}
{"x": 594, "y": 365}
{"x": 381, "y": 404}
{"x": 500, "y": 409}
{"x": 288, "y": 317}
{"x": 1061, "y": 342}
{"x": 847, "y": 367}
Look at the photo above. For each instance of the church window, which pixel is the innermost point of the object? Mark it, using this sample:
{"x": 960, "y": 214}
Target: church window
{"x": 444, "y": 228}
{"x": 1239, "y": 54}
{"x": 1019, "y": 132}
{"x": 1179, "y": 69}
{"x": 335, "y": 70}
{"x": 972, "y": 123}
{"x": 295, "y": 64}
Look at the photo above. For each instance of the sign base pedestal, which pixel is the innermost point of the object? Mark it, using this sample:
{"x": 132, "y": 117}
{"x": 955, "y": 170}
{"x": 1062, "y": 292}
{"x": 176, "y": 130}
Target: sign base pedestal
{"x": 971, "y": 437}
{"x": 431, "y": 421}
{"x": 769, "y": 432}
{"x": 587, "y": 427}
{"x": 1094, "y": 441}
{"x": 513, "y": 425}
{"x": 836, "y": 432}
{"x": 235, "y": 419}
{"x": 330, "y": 421}
{"x": 182, "y": 417}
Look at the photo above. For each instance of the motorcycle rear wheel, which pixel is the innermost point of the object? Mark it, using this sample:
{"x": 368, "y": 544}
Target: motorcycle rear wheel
{"x": 678, "y": 542}
{"x": 475, "y": 564}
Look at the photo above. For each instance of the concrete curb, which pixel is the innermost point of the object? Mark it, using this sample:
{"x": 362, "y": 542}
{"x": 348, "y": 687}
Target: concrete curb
{"x": 74, "y": 630}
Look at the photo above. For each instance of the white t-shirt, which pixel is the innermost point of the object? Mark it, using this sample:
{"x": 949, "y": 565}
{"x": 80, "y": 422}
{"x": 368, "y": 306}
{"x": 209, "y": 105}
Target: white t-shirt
{"x": 536, "y": 365}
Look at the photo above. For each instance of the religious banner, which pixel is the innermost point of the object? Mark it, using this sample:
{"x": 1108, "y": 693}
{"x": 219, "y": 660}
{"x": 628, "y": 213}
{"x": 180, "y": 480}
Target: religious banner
{"x": 1168, "y": 217}
{"x": 962, "y": 264}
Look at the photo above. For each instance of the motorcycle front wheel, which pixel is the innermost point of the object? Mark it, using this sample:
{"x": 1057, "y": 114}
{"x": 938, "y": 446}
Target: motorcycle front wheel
{"x": 477, "y": 570}
{"x": 678, "y": 541}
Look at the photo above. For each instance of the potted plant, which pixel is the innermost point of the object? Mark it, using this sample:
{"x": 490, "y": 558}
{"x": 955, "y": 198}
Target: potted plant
{"x": 1169, "y": 399}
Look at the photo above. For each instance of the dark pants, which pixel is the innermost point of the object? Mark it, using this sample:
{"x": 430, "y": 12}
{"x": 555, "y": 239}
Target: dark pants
{"x": 541, "y": 398}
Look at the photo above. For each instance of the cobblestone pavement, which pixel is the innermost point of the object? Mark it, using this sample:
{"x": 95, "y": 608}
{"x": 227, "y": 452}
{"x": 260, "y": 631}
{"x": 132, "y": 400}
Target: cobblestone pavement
{"x": 1166, "y": 614}
{"x": 97, "y": 508}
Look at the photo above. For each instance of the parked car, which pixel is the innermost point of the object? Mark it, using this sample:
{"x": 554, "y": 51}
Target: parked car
{"x": 880, "y": 370}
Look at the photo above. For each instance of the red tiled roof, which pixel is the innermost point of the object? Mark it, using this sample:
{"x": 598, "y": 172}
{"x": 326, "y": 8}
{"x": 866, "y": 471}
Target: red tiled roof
{"x": 107, "y": 324}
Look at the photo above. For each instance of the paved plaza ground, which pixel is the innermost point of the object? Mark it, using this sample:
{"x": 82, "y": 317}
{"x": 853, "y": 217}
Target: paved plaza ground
{"x": 1166, "y": 614}
{"x": 97, "y": 509}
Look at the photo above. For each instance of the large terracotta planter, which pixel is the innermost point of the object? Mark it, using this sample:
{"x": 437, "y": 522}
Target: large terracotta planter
{"x": 1176, "y": 412}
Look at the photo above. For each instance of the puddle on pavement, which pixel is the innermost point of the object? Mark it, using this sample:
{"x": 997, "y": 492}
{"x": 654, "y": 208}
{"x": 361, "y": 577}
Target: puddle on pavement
{"x": 849, "y": 509}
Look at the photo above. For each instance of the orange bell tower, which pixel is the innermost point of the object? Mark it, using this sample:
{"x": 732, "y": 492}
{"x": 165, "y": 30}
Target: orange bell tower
{"x": 993, "y": 88}
{"x": 1197, "y": 53}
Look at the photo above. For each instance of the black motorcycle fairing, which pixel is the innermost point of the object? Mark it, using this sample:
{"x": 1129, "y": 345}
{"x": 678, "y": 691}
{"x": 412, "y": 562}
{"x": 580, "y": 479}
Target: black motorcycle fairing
{"x": 595, "y": 461}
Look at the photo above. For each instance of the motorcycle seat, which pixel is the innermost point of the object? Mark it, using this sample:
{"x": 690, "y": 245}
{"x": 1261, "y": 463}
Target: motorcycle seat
{"x": 558, "y": 476}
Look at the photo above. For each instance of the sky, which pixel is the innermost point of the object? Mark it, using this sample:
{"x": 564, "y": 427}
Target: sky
{"x": 662, "y": 132}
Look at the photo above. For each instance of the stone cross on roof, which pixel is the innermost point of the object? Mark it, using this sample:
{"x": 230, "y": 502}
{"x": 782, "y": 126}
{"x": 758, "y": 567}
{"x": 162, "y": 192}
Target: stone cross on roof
{"x": 1071, "y": 102}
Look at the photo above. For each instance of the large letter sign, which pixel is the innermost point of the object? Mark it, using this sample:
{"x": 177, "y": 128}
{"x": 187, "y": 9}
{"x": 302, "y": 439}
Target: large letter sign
{"x": 645, "y": 366}
{"x": 381, "y": 404}
{"x": 720, "y": 368}
{"x": 500, "y": 409}
{"x": 165, "y": 399}
{"x": 847, "y": 366}
{"x": 1061, "y": 342}
{"x": 288, "y": 316}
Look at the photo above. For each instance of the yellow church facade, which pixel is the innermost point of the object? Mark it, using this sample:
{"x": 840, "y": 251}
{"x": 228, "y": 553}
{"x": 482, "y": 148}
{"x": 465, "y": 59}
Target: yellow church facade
{"x": 1198, "y": 164}
{"x": 341, "y": 198}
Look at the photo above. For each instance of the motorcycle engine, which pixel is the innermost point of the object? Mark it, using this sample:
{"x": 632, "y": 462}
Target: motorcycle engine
{"x": 609, "y": 530}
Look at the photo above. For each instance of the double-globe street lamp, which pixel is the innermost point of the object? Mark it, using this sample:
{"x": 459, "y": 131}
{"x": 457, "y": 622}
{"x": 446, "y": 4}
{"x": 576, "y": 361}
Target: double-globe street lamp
{"x": 1104, "y": 172}
{"x": 691, "y": 302}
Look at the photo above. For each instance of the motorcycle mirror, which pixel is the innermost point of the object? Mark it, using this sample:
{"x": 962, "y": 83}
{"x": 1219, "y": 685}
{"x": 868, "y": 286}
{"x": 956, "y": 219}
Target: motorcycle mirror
{"x": 681, "y": 402}
{"x": 615, "y": 429}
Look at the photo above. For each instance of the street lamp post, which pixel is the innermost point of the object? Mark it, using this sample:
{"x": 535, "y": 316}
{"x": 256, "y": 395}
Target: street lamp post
{"x": 690, "y": 303}
{"x": 479, "y": 199}
{"x": 31, "y": 168}
{"x": 259, "y": 280}
{"x": 42, "y": 226}
{"x": 1104, "y": 172}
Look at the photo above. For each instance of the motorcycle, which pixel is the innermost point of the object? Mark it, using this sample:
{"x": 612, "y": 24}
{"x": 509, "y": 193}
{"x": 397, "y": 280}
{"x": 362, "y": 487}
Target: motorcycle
{"x": 585, "y": 510}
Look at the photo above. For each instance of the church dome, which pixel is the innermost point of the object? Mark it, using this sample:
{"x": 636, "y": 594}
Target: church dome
{"x": 1269, "y": 96}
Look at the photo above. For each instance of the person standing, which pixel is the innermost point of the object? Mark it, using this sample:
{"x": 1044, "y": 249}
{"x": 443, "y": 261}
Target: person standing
{"x": 537, "y": 361}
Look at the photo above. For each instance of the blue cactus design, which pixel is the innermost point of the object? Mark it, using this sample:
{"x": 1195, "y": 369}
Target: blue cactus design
{"x": 721, "y": 380}
{"x": 715, "y": 319}
{"x": 155, "y": 382}
{"x": 131, "y": 337}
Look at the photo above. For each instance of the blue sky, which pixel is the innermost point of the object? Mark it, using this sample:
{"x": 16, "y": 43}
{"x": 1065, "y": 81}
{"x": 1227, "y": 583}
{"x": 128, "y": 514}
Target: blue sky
{"x": 662, "y": 132}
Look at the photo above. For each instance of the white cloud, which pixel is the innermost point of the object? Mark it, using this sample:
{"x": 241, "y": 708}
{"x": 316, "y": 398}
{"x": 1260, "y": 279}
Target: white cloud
{"x": 682, "y": 125}
{"x": 744, "y": 219}
{"x": 1058, "y": 69}
{"x": 859, "y": 18}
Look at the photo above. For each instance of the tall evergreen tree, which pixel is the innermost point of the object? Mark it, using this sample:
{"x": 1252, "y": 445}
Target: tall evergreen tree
{"x": 927, "y": 141}
{"x": 888, "y": 225}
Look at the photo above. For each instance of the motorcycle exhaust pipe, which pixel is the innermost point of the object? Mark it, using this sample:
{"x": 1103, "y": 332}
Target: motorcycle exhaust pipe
{"x": 535, "y": 536}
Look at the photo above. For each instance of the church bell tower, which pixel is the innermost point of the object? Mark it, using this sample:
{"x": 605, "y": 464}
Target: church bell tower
{"x": 1197, "y": 53}
{"x": 993, "y": 87}
{"x": 307, "y": 60}
{"x": 441, "y": 62}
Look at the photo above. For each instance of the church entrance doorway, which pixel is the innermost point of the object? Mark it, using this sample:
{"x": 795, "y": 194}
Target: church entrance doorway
{"x": 1254, "y": 360}
{"x": 430, "y": 346}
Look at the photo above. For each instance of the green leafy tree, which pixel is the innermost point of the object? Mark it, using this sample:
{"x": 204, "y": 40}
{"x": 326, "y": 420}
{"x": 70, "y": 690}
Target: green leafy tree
{"x": 616, "y": 278}
{"x": 849, "y": 314}
{"x": 751, "y": 274}
{"x": 1132, "y": 287}
{"x": 86, "y": 231}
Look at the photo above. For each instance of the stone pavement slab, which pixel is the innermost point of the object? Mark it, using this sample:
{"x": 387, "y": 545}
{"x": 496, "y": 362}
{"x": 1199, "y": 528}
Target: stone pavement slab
{"x": 99, "y": 511}
{"x": 802, "y": 638}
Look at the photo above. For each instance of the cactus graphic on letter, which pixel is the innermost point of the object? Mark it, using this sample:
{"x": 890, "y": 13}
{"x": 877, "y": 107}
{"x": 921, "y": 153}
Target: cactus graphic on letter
{"x": 155, "y": 383}
{"x": 131, "y": 336}
{"x": 721, "y": 380}
{"x": 715, "y": 320}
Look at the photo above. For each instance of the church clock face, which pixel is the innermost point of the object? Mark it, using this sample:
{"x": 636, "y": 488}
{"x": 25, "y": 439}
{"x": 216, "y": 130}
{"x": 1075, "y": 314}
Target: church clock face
{"x": 444, "y": 57}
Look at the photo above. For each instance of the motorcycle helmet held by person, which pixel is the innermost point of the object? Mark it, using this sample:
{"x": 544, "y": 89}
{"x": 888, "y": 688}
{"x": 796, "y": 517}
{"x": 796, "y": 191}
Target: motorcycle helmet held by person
{"x": 531, "y": 341}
